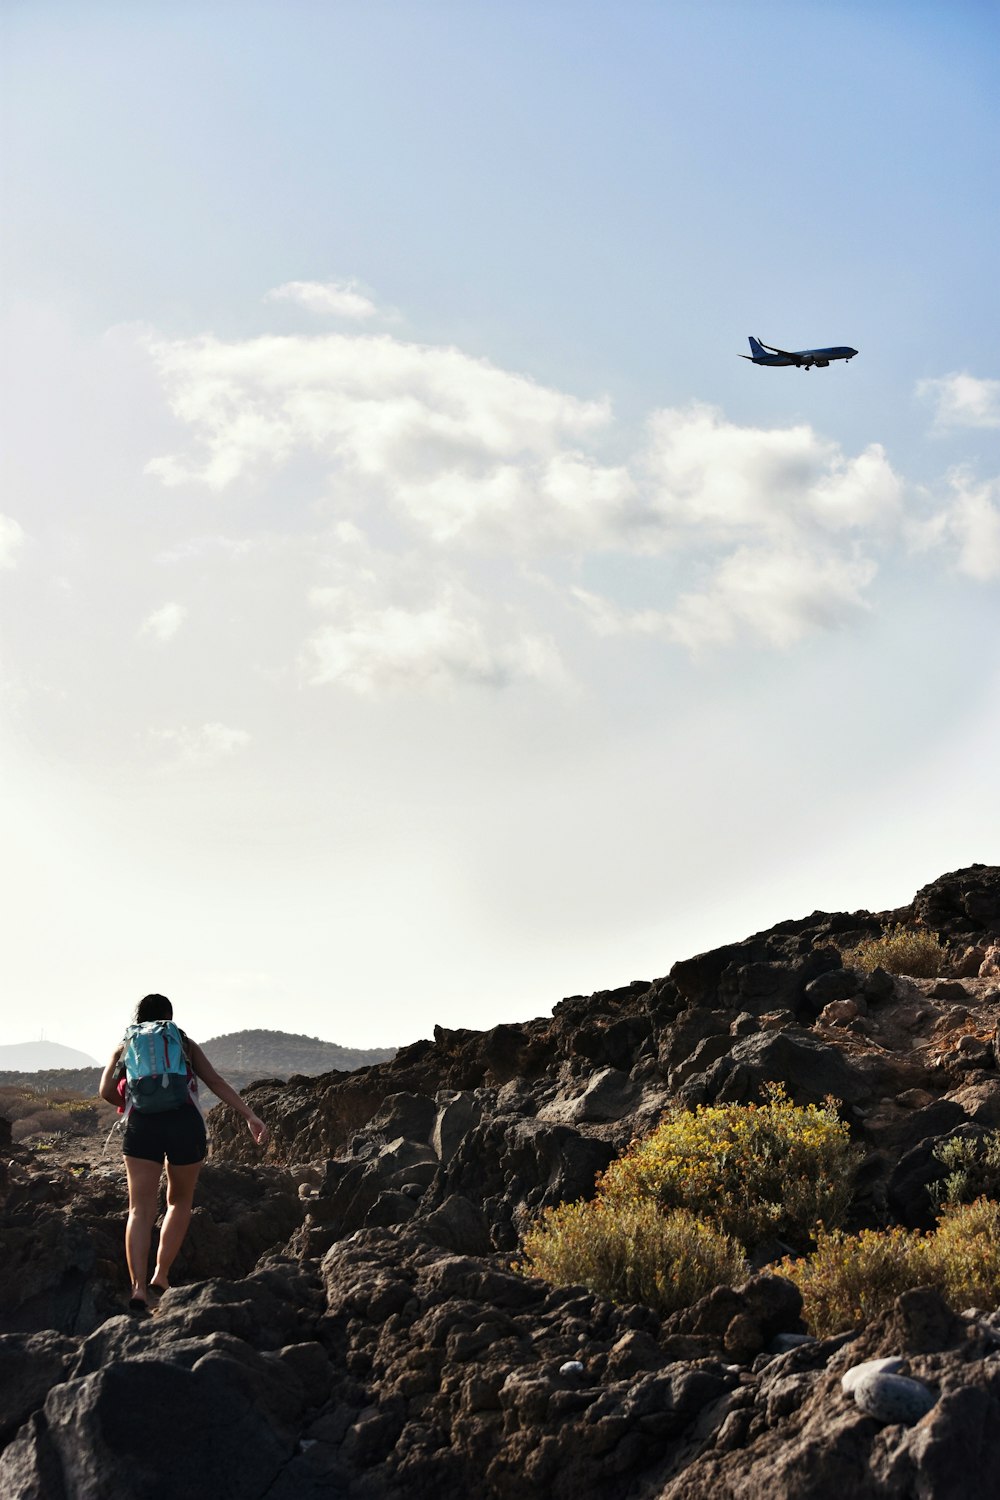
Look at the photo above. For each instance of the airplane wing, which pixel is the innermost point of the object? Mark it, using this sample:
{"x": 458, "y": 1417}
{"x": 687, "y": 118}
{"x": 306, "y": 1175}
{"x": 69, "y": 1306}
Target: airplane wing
{"x": 788, "y": 353}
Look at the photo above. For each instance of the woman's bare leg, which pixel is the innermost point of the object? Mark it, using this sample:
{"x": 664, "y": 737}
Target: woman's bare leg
{"x": 181, "y": 1183}
{"x": 143, "y": 1203}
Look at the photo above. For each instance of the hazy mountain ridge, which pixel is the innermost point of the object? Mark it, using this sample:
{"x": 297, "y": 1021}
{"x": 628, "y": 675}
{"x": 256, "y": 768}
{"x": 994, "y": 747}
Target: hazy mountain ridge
{"x": 241, "y": 1057}
{"x": 281, "y": 1053}
{"x": 35, "y": 1057}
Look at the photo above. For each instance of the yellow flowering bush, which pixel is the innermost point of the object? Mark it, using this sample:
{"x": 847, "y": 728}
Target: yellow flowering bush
{"x": 633, "y": 1253}
{"x": 775, "y": 1169}
{"x": 900, "y": 950}
{"x": 964, "y": 1254}
{"x": 850, "y": 1278}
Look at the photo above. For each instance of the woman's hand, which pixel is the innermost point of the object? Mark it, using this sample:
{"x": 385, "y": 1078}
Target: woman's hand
{"x": 258, "y": 1130}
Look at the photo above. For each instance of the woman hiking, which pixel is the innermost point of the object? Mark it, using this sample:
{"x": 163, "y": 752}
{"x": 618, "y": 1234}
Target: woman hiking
{"x": 153, "y": 1078}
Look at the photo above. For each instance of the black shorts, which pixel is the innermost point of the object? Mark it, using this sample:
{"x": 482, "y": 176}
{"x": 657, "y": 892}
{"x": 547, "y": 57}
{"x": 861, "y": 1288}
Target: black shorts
{"x": 177, "y": 1134}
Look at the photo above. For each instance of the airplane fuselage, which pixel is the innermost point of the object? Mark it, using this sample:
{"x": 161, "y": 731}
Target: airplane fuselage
{"x": 804, "y": 359}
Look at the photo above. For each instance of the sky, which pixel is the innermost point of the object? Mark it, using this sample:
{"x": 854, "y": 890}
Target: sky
{"x": 412, "y": 611}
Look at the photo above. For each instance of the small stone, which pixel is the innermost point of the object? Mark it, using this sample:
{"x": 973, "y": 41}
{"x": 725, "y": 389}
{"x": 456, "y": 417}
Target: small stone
{"x": 893, "y": 1398}
{"x": 966, "y": 966}
{"x": 743, "y": 1338}
{"x": 891, "y": 1366}
{"x": 783, "y": 1342}
{"x": 838, "y": 1013}
{"x": 879, "y": 985}
{"x": 835, "y": 984}
{"x": 990, "y": 966}
{"x": 915, "y": 1098}
{"x": 777, "y": 1020}
{"x": 571, "y": 1367}
{"x": 948, "y": 989}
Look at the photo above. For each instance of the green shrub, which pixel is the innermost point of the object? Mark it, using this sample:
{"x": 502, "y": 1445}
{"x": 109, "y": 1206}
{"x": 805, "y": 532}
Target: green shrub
{"x": 850, "y": 1278}
{"x": 973, "y": 1167}
{"x": 755, "y": 1171}
{"x": 632, "y": 1253}
{"x": 900, "y": 950}
{"x": 964, "y": 1254}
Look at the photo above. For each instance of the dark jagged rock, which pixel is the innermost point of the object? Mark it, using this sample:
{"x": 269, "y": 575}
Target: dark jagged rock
{"x": 30, "y": 1364}
{"x": 62, "y": 1248}
{"x": 352, "y": 1324}
{"x": 962, "y": 904}
{"x": 916, "y": 1173}
{"x": 809, "y": 1069}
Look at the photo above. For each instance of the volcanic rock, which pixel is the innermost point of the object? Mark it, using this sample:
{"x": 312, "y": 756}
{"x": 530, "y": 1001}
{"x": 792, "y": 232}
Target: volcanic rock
{"x": 348, "y": 1318}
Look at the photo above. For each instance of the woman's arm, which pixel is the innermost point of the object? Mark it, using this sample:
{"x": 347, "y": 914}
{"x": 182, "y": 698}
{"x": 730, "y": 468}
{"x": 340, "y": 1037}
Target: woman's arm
{"x": 108, "y": 1086}
{"x": 224, "y": 1091}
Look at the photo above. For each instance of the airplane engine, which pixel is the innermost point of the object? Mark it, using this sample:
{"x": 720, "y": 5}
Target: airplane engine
{"x": 822, "y": 363}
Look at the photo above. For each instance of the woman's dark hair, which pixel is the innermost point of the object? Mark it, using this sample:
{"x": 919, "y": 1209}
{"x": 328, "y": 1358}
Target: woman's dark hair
{"x": 154, "y": 1008}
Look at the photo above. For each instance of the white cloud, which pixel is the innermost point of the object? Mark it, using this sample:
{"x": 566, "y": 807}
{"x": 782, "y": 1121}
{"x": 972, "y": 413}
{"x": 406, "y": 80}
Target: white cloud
{"x": 335, "y": 299}
{"x": 449, "y": 439}
{"x": 375, "y": 650}
{"x": 969, "y": 525}
{"x": 471, "y": 452}
{"x": 774, "y": 597}
{"x": 11, "y": 538}
{"x": 204, "y": 745}
{"x": 478, "y": 459}
{"x": 164, "y": 623}
{"x": 566, "y": 502}
{"x": 963, "y": 400}
{"x": 711, "y": 476}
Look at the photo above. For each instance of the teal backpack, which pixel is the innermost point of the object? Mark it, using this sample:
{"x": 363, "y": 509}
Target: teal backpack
{"x": 156, "y": 1070}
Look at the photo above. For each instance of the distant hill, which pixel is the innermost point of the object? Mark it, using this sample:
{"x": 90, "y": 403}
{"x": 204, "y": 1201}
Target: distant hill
{"x": 35, "y": 1057}
{"x": 241, "y": 1057}
{"x": 279, "y": 1054}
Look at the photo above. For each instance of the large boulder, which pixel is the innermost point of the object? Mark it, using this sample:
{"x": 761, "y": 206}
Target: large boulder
{"x": 809, "y": 1070}
{"x": 962, "y": 904}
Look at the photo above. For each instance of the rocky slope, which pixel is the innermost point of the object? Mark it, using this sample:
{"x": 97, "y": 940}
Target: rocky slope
{"x": 349, "y": 1321}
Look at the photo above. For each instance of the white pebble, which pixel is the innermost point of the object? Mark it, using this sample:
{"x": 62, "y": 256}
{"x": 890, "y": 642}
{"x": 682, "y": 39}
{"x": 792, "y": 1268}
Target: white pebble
{"x": 870, "y": 1367}
{"x": 893, "y": 1398}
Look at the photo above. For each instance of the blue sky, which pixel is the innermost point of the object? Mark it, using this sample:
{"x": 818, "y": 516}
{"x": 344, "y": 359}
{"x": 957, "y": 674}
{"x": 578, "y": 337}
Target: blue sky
{"x": 411, "y": 608}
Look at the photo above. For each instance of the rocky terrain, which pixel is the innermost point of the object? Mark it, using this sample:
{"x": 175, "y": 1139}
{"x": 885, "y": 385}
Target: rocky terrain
{"x": 347, "y": 1319}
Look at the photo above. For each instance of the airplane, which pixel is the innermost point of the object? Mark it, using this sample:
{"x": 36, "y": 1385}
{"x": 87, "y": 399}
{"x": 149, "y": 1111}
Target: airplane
{"x": 766, "y": 354}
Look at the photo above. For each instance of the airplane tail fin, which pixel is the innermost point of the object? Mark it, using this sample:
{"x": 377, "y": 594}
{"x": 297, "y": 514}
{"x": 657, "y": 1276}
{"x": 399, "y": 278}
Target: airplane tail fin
{"x": 757, "y": 349}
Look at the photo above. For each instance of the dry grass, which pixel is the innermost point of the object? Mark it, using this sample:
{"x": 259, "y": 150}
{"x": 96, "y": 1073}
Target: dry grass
{"x": 851, "y": 1278}
{"x": 35, "y": 1115}
{"x": 632, "y": 1254}
{"x": 900, "y": 950}
{"x": 755, "y": 1171}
